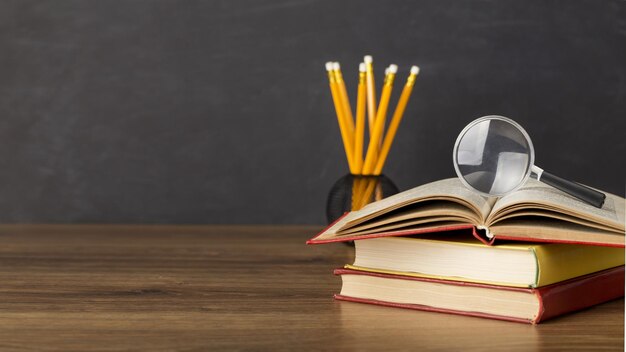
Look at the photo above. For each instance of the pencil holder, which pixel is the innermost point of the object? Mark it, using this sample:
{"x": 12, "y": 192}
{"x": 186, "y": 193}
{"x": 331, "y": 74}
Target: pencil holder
{"x": 353, "y": 192}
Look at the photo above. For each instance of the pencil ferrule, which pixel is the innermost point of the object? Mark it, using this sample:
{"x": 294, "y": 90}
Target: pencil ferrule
{"x": 411, "y": 80}
{"x": 331, "y": 77}
{"x": 361, "y": 77}
{"x": 389, "y": 79}
{"x": 338, "y": 77}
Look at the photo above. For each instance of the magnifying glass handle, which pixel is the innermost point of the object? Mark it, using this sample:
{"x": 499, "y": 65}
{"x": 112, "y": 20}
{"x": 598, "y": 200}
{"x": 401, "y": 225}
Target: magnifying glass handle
{"x": 577, "y": 190}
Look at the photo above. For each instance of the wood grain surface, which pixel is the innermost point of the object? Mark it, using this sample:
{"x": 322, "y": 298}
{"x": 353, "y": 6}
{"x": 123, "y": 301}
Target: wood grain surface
{"x": 193, "y": 288}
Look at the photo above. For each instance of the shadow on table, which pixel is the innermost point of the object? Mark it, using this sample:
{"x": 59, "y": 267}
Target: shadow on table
{"x": 375, "y": 327}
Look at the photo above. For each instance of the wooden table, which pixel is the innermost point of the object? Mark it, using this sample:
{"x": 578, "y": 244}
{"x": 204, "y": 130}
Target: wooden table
{"x": 163, "y": 288}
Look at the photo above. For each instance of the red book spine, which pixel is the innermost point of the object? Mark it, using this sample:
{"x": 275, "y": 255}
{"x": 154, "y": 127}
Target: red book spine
{"x": 579, "y": 293}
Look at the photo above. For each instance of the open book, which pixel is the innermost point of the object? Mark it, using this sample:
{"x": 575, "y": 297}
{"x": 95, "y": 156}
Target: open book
{"x": 535, "y": 212}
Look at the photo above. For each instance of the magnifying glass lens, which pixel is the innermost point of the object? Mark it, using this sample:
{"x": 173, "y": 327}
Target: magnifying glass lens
{"x": 493, "y": 156}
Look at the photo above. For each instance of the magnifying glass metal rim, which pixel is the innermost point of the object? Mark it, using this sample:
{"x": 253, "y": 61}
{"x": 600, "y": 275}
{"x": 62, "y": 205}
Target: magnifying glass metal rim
{"x": 531, "y": 151}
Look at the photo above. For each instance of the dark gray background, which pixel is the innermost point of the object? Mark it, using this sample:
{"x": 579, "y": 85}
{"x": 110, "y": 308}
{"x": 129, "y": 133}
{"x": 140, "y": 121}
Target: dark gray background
{"x": 219, "y": 111}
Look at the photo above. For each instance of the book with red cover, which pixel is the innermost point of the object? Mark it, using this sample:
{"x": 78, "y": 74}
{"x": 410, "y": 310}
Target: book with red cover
{"x": 429, "y": 230}
{"x": 534, "y": 213}
{"x": 470, "y": 229}
{"x": 524, "y": 305}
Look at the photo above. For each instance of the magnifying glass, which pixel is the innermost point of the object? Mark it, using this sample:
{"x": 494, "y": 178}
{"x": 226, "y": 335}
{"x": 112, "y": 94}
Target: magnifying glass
{"x": 494, "y": 156}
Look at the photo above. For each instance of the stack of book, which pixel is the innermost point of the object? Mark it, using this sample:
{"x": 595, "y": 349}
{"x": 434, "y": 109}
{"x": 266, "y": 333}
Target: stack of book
{"x": 526, "y": 257}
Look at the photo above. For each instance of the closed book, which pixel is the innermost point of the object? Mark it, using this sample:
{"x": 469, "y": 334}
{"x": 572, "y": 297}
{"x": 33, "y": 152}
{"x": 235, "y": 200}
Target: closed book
{"x": 524, "y": 305}
{"x": 452, "y": 256}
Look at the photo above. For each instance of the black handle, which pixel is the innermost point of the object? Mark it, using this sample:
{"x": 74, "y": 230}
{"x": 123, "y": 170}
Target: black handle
{"x": 577, "y": 190}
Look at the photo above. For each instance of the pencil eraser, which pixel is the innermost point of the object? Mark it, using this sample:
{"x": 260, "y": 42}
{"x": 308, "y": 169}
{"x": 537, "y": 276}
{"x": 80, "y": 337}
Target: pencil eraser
{"x": 415, "y": 70}
{"x": 336, "y": 66}
{"x": 393, "y": 68}
{"x": 387, "y": 71}
{"x": 368, "y": 59}
{"x": 329, "y": 66}
{"x": 362, "y": 67}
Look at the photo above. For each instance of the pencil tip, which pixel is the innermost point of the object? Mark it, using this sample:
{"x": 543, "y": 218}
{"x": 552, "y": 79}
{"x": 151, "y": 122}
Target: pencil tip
{"x": 362, "y": 67}
{"x": 368, "y": 59}
{"x": 415, "y": 70}
{"x": 393, "y": 68}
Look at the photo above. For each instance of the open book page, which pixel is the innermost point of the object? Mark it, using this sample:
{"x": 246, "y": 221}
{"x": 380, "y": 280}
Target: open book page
{"x": 448, "y": 189}
{"x": 429, "y": 211}
{"x": 555, "y": 230}
{"x": 536, "y": 198}
{"x": 449, "y": 195}
{"x": 424, "y": 225}
{"x": 521, "y": 212}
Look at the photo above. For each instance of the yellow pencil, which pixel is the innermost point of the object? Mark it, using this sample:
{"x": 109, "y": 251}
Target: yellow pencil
{"x": 396, "y": 119}
{"x": 371, "y": 91}
{"x": 339, "y": 111}
{"x": 354, "y": 200}
{"x": 370, "y": 158}
{"x": 345, "y": 102}
{"x": 360, "y": 121}
{"x": 379, "y": 191}
{"x": 366, "y": 193}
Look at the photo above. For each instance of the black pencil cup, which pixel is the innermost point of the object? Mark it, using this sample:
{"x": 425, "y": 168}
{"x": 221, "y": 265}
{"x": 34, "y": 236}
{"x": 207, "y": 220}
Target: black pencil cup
{"x": 353, "y": 192}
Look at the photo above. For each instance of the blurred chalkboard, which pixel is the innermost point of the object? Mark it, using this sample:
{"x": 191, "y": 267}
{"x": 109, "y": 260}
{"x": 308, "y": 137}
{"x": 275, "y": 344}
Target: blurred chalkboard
{"x": 219, "y": 111}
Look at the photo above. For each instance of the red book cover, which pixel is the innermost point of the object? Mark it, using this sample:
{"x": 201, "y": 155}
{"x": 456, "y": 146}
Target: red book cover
{"x": 554, "y": 300}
